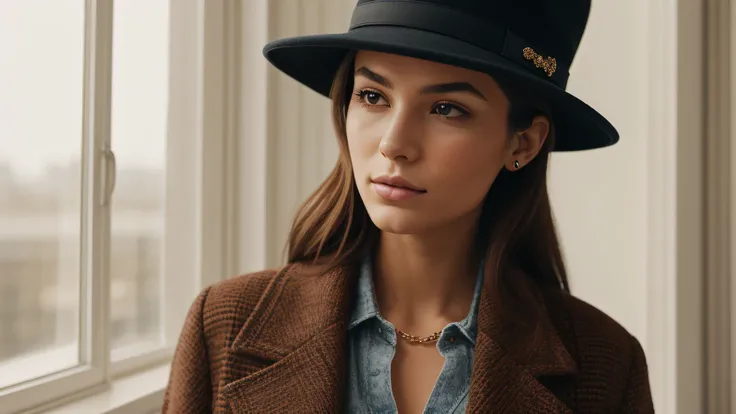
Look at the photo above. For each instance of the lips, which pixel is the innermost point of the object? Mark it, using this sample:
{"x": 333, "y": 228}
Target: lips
{"x": 396, "y": 188}
{"x": 397, "y": 181}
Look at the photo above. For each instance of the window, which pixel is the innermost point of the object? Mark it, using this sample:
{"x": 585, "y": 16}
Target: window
{"x": 138, "y": 135}
{"x": 101, "y": 207}
{"x": 41, "y": 187}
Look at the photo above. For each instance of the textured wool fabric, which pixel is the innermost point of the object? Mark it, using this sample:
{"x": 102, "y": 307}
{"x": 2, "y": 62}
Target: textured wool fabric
{"x": 277, "y": 342}
{"x": 372, "y": 344}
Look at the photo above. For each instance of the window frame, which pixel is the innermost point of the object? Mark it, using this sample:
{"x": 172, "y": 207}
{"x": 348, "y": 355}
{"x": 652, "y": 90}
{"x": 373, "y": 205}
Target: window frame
{"x": 198, "y": 238}
{"x": 97, "y": 179}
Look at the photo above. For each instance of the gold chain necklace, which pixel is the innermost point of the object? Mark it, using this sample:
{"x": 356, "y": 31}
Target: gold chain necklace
{"x": 417, "y": 339}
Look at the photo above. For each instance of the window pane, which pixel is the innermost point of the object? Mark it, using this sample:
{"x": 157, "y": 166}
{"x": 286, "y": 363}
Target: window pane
{"x": 139, "y": 115}
{"x": 41, "y": 84}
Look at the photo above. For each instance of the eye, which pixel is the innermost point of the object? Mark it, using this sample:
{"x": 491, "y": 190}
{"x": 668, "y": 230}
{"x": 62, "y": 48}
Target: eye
{"x": 370, "y": 98}
{"x": 449, "y": 110}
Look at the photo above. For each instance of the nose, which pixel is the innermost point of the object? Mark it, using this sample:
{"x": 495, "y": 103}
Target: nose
{"x": 398, "y": 142}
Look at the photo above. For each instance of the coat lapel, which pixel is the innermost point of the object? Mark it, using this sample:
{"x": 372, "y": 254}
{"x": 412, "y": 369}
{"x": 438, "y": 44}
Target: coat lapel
{"x": 299, "y": 330}
{"x": 513, "y": 351}
{"x": 298, "y": 333}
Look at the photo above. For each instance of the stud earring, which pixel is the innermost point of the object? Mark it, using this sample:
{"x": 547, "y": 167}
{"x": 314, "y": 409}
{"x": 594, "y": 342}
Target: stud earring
{"x": 516, "y": 164}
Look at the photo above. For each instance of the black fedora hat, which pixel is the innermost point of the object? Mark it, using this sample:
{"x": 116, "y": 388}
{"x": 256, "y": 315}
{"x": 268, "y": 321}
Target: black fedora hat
{"x": 532, "y": 42}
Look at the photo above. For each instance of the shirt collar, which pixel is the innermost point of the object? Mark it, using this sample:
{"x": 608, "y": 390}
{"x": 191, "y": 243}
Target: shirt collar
{"x": 366, "y": 307}
{"x": 365, "y": 301}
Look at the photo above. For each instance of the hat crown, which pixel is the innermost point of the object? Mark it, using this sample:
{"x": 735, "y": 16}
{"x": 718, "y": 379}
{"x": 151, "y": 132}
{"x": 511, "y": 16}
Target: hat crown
{"x": 551, "y": 27}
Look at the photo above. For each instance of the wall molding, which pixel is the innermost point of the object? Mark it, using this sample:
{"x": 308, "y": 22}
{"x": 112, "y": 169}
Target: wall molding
{"x": 675, "y": 212}
{"x": 301, "y": 143}
{"x": 280, "y": 139}
{"x": 661, "y": 215}
{"x": 731, "y": 199}
{"x": 249, "y": 156}
{"x": 719, "y": 202}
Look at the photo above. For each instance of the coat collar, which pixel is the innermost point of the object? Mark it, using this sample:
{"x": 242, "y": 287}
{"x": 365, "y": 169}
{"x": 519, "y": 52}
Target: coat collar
{"x": 300, "y": 326}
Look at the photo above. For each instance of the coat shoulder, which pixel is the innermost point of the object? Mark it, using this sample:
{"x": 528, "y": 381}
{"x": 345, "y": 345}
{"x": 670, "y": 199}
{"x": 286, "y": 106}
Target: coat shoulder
{"x": 591, "y": 325}
{"x": 238, "y": 296}
{"x": 228, "y": 304}
{"x": 605, "y": 353}
{"x": 241, "y": 291}
{"x": 594, "y": 335}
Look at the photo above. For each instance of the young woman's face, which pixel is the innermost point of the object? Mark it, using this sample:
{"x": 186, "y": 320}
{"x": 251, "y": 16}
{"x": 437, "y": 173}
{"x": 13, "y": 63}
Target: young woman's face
{"x": 426, "y": 141}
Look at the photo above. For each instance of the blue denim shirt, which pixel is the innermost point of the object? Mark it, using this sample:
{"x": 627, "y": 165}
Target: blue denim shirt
{"x": 372, "y": 342}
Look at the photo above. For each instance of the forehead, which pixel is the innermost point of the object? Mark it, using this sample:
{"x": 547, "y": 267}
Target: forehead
{"x": 409, "y": 71}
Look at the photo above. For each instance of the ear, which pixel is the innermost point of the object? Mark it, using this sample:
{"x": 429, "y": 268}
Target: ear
{"x": 528, "y": 143}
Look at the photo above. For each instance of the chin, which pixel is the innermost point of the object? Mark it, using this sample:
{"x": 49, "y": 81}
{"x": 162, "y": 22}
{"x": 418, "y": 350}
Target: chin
{"x": 396, "y": 220}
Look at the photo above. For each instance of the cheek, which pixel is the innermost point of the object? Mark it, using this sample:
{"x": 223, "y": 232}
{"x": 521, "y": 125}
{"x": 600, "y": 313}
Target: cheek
{"x": 360, "y": 144}
{"x": 464, "y": 169}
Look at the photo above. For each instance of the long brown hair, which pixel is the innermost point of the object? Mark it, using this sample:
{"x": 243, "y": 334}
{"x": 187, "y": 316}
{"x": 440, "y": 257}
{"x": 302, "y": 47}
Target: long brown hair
{"x": 516, "y": 229}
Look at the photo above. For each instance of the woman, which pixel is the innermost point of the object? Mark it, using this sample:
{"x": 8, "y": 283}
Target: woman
{"x": 425, "y": 273}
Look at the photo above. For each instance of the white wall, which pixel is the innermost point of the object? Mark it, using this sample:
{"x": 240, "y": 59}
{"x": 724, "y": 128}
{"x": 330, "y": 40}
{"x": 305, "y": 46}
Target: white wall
{"x": 600, "y": 197}
{"x": 629, "y": 216}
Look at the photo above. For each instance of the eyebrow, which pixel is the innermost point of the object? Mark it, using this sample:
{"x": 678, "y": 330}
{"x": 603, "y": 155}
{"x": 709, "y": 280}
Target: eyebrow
{"x": 431, "y": 89}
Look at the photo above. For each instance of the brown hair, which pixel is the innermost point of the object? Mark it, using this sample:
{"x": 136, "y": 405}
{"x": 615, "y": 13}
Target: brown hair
{"x": 516, "y": 229}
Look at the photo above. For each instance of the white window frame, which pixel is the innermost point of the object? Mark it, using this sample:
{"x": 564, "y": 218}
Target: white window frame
{"x": 91, "y": 372}
{"x": 198, "y": 215}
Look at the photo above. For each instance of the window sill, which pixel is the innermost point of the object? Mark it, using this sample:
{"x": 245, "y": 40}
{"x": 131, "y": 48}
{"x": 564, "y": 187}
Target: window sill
{"x": 37, "y": 364}
{"x": 140, "y": 393}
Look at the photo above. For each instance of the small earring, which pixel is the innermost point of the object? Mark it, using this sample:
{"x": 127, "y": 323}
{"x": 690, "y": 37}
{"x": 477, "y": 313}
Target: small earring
{"x": 516, "y": 164}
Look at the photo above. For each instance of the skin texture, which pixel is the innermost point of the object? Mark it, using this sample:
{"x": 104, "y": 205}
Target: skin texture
{"x": 451, "y": 144}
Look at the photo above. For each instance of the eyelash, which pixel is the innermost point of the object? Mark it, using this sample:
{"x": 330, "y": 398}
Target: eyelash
{"x": 361, "y": 94}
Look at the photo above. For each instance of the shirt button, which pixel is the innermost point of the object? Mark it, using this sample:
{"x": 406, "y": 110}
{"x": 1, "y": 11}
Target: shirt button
{"x": 380, "y": 330}
{"x": 452, "y": 339}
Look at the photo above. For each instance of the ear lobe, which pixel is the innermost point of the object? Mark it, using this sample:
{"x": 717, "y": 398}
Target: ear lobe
{"x": 514, "y": 165}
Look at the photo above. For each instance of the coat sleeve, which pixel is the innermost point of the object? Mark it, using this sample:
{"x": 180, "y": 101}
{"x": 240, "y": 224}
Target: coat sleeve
{"x": 638, "y": 395}
{"x": 189, "y": 390}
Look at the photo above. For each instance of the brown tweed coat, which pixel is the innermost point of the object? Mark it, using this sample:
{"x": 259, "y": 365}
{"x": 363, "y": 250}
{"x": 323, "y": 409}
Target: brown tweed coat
{"x": 276, "y": 342}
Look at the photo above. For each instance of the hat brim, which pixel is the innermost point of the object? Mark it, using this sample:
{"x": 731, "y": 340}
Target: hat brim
{"x": 313, "y": 61}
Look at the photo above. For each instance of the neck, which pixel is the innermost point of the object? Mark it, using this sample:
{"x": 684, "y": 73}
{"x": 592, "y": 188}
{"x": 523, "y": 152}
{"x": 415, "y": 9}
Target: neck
{"x": 423, "y": 282}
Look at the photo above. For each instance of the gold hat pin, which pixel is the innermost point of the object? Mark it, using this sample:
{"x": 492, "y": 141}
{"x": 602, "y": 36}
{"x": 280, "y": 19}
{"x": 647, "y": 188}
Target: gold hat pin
{"x": 549, "y": 65}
